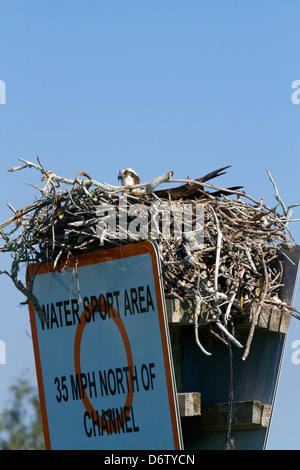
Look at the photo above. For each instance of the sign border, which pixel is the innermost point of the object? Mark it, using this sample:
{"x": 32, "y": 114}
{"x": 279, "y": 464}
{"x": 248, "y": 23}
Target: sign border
{"x": 111, "y": 254}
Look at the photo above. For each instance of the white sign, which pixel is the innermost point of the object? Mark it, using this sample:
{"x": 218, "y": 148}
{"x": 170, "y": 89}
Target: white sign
{"x": 104, "y": 370}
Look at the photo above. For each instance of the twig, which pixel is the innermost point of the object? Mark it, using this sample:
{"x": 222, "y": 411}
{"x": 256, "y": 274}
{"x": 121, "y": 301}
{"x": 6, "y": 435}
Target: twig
{"x": 277, "y": 197}
{"x": 196, "y": 326}
{"x": 257, "y": 311}
{"x": 154, "y": 183}
{"x": 218, "y": 249}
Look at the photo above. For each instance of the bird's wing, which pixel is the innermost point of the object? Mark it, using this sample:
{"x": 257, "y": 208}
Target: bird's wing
{"x": 192, "y": 190}
{"x": 213, "y": 174}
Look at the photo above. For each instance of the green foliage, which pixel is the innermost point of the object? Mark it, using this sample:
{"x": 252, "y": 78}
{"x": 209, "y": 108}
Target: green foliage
{"x": 20, "y": 422}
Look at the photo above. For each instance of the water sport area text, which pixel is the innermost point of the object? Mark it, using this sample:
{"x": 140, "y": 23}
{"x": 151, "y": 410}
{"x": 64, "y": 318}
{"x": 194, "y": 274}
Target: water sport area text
{"x": 135, "y": 300}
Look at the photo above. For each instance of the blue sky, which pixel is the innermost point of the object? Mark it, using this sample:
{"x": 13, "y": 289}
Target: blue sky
{"x": 156, "y": 85}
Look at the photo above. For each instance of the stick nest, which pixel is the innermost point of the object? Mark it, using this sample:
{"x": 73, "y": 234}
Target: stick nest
{"x": 238, "y": 265}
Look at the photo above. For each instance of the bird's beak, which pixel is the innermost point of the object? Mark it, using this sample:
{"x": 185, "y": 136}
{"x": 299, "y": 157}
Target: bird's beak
{"x": 119, "y": 176}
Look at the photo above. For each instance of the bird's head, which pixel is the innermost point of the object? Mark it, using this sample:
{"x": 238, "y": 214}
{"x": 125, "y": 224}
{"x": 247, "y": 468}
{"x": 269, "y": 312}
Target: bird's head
{"x": 128, "y": 177}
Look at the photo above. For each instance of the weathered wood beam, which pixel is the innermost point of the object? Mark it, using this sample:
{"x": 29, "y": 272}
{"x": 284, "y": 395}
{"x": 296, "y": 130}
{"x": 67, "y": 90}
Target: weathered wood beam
{"x": 246, "y": 415}
{"x": 189, "y": 404}
{"x": 272, "y": 318}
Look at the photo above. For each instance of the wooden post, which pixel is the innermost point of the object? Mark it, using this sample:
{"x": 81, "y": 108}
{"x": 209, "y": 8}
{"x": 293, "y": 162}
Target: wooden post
{"x": 203, "y": 381}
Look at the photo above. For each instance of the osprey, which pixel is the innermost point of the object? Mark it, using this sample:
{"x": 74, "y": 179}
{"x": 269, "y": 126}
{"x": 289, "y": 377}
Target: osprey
{"x": 129, "y": 178}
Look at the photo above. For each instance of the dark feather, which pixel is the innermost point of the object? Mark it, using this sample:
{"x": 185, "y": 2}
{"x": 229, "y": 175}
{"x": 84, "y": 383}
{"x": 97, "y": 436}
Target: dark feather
{"x": 192, "y": 190}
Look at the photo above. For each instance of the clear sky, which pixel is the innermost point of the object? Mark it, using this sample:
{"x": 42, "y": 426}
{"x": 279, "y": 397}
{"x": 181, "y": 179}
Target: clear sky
{"x": 158, "y": 85}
